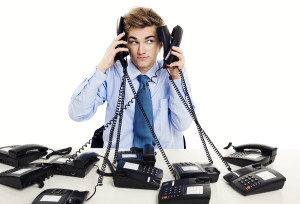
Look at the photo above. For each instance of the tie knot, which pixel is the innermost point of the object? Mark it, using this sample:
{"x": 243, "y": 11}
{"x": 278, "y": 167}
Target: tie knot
{"x": 143, "y": 78}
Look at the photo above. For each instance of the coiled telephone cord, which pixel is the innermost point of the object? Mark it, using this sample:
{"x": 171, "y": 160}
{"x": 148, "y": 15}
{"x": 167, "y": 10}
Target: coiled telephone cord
{"x": 191, "y": 111}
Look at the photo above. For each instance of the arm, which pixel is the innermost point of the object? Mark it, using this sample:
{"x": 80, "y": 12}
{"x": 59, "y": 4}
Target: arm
{"x": 88, "y": 96}
{"x": 92, "y": 92}
{"x": 180, "y": 117}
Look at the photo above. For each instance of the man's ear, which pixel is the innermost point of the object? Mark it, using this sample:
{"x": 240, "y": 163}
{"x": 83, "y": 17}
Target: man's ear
{"x": 161, "y": 45}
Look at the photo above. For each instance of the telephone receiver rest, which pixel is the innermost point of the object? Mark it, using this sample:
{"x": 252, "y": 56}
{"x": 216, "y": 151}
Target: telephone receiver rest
{"x": 22, "y": 149}
{"x": 266, "y": 150}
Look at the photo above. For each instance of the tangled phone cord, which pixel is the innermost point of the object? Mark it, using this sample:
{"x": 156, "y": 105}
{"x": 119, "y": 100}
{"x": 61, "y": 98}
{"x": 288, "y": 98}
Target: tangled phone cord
{"x": 193, "y": 115}
{"x": 150, "y": 126}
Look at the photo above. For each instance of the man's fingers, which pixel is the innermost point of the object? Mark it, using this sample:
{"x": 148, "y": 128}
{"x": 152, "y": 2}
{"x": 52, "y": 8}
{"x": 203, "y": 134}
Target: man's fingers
{"x": 119, "y": 36}
{"x": 120, "y": 49}
{"x": 177, "y": 49}
{"x": 120, "y": 42}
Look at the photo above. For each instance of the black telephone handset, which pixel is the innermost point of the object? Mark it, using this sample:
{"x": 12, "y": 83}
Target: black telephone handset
{"x": 252, "y": 153}
{"x": 132, "y": 175}
{"x": 145, "y": 156}
{"x": 170, "y": 40}
{"x": 196, "y": 170}
{"x": 185, "y": 191}
{"x": 18, "y": 155}
{"x": 121, "y": 55}
{"x": 21, "y": 177}
{"x": 255, "y": 179}
{"x": 79, "y": 167}
{"x": 61, "y": 196}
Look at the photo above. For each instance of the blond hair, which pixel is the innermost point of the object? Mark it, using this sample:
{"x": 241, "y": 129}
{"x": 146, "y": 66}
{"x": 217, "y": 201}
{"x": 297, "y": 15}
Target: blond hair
{"x": 140, "y": 17}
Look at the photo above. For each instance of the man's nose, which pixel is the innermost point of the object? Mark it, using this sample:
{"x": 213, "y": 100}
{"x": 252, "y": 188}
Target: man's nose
{"x": 141, "y": 49}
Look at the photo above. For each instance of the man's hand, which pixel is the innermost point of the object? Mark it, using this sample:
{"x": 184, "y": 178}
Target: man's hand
{"x": 108, "y": 59}
{"x": 176, "y": 51}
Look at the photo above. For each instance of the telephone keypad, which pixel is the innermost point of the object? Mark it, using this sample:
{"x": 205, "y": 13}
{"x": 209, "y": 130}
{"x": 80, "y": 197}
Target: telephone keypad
{"x": 150, "y": 170}
{"x": 172, "y": 192}
{"x": 249, "y": 182}
{"x": 238, "y": 154}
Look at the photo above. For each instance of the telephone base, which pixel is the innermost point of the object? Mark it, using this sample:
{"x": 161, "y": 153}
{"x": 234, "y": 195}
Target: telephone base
{"x": 21, "y": 177}
{"x": 65, "y": 196}
{"x": 121, "y": 179}
{"x": 22, "y": 160}
{"x": 185, "y": 191}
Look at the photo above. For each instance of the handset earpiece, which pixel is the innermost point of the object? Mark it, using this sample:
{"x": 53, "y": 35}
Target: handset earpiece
{"x": 120, "y": 29}
{"x": 164, "y": 35}
{"x": 176, "y": 38}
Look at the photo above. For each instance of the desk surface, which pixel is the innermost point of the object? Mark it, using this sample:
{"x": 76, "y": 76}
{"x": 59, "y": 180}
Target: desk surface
{"x": 286, "y": 163}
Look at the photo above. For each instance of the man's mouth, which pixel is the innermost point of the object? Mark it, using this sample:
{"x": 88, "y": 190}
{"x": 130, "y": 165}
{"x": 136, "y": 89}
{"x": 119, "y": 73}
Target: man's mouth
{"x": 142, "y": 58}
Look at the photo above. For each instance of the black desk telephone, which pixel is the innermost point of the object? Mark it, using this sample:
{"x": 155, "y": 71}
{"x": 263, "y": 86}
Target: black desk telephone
{"x": 21, "y": 177}
{"x": 132, "y": 175}
{"x": 255, "y": 179}
{"x": 196, "y": 170}
{"x": 250, "y": 154}
{"x": 145, "y": 156}
{"x": 79, "y": 167}
{"x": 60, "y": 196}
{"x": 185, "y": 191}
{"x": 18, "y": 155}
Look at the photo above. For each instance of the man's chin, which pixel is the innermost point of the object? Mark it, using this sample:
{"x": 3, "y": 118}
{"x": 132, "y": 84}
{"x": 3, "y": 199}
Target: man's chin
{"x": 142, "y": 66}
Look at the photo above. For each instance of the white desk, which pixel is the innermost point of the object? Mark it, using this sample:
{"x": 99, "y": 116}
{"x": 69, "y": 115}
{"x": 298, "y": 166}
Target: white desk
{"x": 286, "y": 163}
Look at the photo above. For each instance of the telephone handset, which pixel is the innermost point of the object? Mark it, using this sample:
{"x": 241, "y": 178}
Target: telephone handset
{"x": 121, "y": 55}
{"x": 18, "y": 155}
{"x": 251, "y": 153}
{"x": 61, "y": 196}
{"x": 145, "y": 156}
{"x": 170, "y": 40}
{"x": 255, "y": 179}
{"x": 132, "y": 175}
{"x": 79, "y": 167}
{"x": 196, "y": 170}
{"x": 21, "y": 177}
{"x": 185, "y": 191}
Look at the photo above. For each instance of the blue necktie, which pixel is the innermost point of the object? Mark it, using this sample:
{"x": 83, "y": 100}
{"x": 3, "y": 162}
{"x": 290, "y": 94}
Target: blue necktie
{"x": 142, "y": 133}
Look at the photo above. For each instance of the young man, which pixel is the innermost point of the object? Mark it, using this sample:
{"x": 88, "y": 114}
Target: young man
{"x": 165, "y": 111}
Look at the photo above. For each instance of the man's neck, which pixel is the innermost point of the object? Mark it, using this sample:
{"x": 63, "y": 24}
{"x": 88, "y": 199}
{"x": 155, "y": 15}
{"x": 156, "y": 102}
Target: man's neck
{"x": 144, "y": 70}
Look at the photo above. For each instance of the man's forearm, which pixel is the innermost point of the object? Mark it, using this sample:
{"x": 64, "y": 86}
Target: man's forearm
{"x": 87, "y": 97}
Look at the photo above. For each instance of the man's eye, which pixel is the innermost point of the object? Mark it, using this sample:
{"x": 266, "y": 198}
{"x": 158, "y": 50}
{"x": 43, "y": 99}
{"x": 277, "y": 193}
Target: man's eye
{"x": 150, "y": 41}
{"x": 133, "y": 42}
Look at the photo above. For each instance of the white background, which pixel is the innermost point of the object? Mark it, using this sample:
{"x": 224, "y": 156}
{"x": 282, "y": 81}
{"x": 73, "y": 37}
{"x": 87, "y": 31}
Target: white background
{"x": 242, "y": 58}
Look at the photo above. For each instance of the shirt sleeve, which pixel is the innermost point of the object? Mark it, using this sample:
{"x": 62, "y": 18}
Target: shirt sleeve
{"x": 91, "y": 93}
{"x": 180, "y": 116}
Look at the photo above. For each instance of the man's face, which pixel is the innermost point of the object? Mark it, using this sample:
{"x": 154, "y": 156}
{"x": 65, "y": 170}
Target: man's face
{"x": 144, "y": 46}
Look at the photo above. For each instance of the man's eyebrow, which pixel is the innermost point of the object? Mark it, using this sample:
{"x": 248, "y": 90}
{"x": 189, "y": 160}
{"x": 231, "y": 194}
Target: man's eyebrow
{"x": 134, "y": 38}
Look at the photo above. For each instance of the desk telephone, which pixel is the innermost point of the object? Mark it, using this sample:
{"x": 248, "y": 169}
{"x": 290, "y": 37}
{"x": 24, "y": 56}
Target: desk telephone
{"x": 145, "y": 156}
{"x": 196, "y": 170}
{"x": 250, "y": 154}
{"x": 185, "y": 191}
{"x": 79, "y": 167}
{"x": 132, "y": 175}
{"x": 21, "y": 177}
{"x": 255, "y": 179}
{"x": 60, "y": 196}
{"x": 18, "y": 155}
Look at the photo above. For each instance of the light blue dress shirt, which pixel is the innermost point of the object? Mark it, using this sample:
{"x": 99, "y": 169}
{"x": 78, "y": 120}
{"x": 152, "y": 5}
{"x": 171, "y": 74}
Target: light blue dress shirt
{"x": 170, "y": 115}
